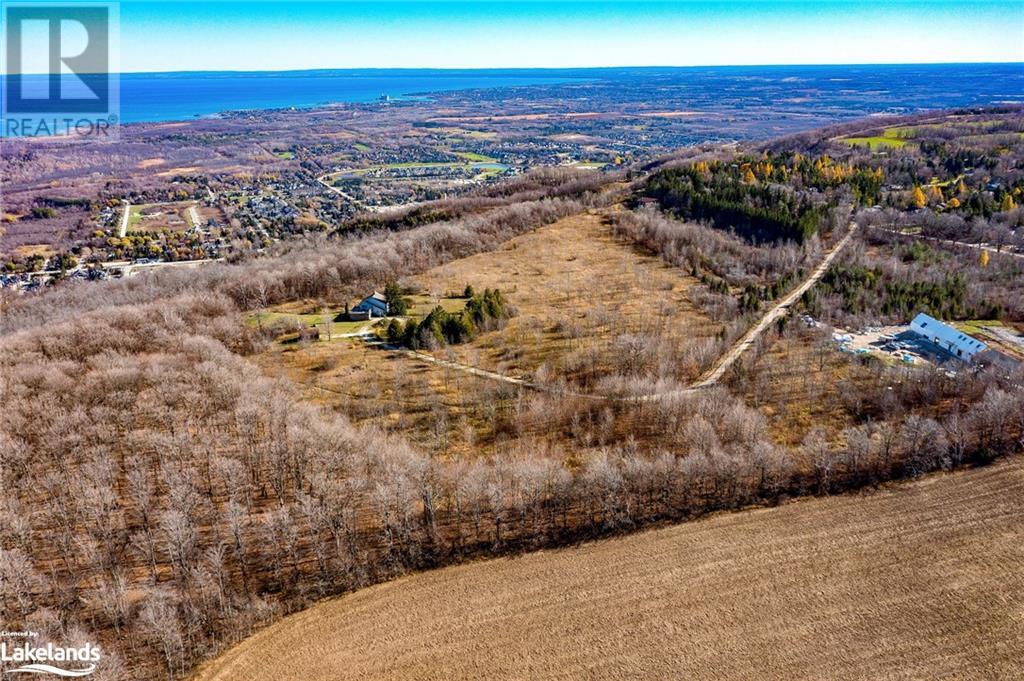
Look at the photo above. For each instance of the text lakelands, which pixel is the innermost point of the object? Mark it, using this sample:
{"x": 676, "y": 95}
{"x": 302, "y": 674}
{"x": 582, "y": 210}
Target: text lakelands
{"x": 48, "y": 653}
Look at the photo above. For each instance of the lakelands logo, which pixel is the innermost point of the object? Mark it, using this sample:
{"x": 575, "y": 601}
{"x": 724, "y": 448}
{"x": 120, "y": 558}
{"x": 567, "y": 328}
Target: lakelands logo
{"x": 59, "y": 71}
{"x": 66, "y": 661}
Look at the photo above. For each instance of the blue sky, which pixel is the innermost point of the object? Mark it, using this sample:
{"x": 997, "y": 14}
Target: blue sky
{"x": 255, "y": 35}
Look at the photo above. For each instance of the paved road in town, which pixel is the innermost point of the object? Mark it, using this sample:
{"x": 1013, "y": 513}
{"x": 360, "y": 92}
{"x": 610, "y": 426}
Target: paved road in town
{"x": 325, "y": 181}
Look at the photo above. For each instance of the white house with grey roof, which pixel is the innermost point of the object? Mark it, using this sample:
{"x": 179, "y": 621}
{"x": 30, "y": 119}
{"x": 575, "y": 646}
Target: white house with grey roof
{"x": 953, "y": 341}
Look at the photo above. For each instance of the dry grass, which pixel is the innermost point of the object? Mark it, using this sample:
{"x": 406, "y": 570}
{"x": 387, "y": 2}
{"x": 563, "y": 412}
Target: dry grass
{"x": 440, "y": 409}
{"x": 576, "y": 289}
{"x": 920, "y": 581}
{"x": 797, "y": 384}
{"x": 154, "y": 217}
{"x": 29, "y": 250}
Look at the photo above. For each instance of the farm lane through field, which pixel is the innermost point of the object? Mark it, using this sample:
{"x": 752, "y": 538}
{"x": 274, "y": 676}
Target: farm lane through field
{"x": 744, "y": 343}
{"x": 918, "y": 580}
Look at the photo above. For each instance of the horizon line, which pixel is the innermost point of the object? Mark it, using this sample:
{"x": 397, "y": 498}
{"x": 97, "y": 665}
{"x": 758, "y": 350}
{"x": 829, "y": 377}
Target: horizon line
{"x": 456, "y": 69}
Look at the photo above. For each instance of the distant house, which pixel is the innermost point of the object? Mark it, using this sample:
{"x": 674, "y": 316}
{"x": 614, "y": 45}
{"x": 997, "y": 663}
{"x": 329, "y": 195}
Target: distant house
{"x": 953, "y": 341}
{"x": 374, "y": 305}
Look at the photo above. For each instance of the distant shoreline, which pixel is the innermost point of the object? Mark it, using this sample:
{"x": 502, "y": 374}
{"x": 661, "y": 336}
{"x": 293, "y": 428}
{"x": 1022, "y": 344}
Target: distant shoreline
{"x": 183, "y": 96}
{"x": 188, "y": 96}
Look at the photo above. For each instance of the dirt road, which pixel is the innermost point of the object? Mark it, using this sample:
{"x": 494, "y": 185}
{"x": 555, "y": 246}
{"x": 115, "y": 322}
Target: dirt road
{"x": 773, "y": 314}
{"x": 950, "y": 242}
{"x": 122, "y": 228}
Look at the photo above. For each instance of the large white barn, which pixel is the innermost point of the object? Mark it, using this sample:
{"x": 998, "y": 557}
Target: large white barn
{"x": 956, "y": 343}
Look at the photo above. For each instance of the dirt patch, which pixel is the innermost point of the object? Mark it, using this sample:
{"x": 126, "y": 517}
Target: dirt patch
{"x": 179, "y": 171}
{"x": 28, "y": 250}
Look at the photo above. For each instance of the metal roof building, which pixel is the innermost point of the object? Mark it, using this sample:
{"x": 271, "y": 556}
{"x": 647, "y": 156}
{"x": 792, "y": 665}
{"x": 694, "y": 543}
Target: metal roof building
{"x": 375, "y": 305}
{"x": 953, "y": 341}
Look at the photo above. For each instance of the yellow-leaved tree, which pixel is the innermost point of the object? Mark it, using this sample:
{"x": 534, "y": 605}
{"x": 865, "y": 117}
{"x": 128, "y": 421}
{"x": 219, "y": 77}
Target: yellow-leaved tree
{"x": 983, "y": 258}
{"x": 1008, "y": 203}
{"x": 918, "y": 198}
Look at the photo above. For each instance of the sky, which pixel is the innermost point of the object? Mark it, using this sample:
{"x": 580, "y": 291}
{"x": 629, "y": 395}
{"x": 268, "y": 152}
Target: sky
{"x": 283, "y": 35}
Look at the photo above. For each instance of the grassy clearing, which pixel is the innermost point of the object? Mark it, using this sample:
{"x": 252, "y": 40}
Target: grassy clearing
{"x": 798, "y": 383}
{"x": 423, "y": 304}
{"x": 442, "y": 410}
{"x": 834, "y": 588}
{"x": 875, "y": 142}
{"x": 901, "y": 135}
{"x": 576, "y": 291}
{"x": 152, "y": 217}
{"x": 362, "y": 147}
{"x": 268, "y": 317}
{"x": 30, "y": 250}
{"x": 474, "y": 157}
{"x": 976, "y": 327}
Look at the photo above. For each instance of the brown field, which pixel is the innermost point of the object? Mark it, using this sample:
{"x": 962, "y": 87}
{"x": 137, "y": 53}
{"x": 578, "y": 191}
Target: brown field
{"x": 440, "y": 409}
{"x": 577, "y": 290}
{"x": 29, "y": 250}
{"x": 668, "y": 114}
{"x": 178, "y": 171}
{"x": 154, "y": 217}
{"x": 917, "y": 581}
{"x": 798, "y": 383}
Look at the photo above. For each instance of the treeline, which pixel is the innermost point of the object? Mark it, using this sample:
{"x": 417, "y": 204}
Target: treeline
{"x": 537, "y": 184}
{"x": 483, "y": 311}
{"x": 865, "y": 289}
{"x": 892, "y": 278}
{"x": 732, "y": 199}
{"x": 719, "y": 260}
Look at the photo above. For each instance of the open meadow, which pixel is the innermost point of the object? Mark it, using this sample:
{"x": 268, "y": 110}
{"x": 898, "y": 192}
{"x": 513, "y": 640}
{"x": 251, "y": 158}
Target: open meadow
{"x": 586, "y": 305}
{"x": 917, "y": 581}
{"x": 582, "y": 300}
